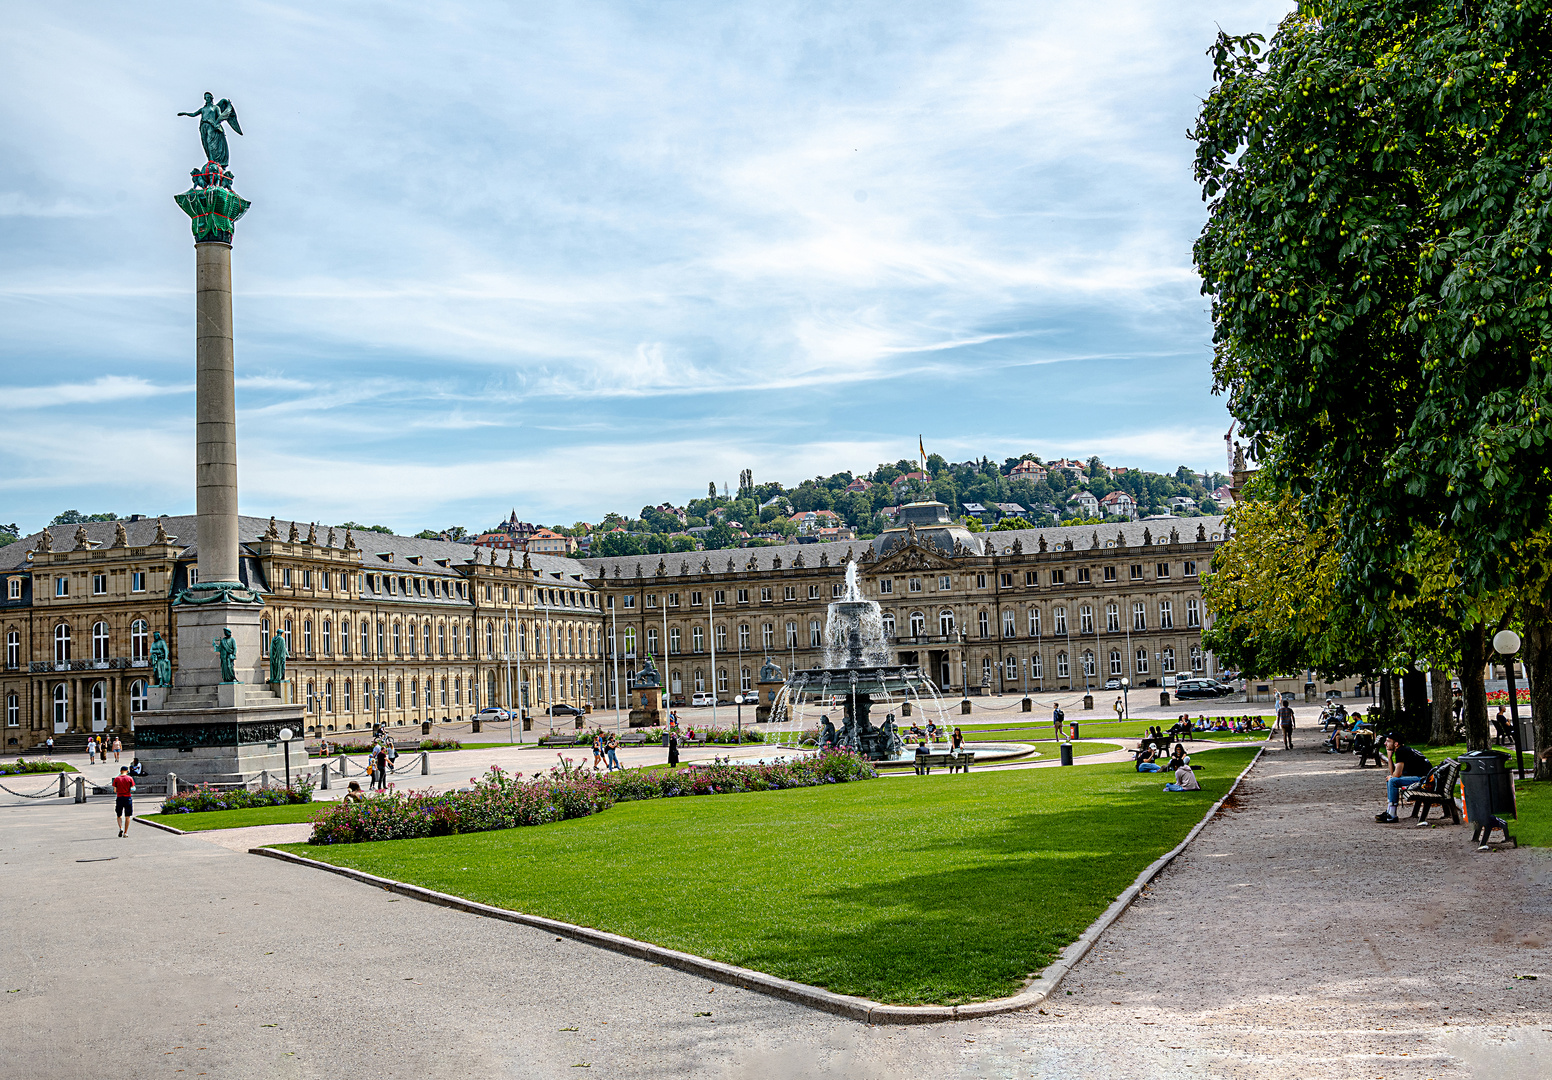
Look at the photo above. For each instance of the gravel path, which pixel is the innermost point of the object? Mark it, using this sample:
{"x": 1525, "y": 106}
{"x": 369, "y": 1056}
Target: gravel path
{"x": 1295, "y": 938}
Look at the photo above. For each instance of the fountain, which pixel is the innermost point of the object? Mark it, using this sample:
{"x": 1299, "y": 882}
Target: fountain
{"x": 857, "y": 671}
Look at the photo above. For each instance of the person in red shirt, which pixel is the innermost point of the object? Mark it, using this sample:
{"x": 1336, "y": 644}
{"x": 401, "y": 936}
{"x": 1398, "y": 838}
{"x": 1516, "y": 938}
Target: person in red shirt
{"x": 124, "y": 804}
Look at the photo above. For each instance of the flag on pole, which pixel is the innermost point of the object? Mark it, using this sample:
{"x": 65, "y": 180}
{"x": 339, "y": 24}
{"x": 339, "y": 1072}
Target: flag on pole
{"x": 923, "y": 448}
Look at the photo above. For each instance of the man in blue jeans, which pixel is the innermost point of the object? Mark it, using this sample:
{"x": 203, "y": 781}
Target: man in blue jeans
{"x": 1407, "y": 767}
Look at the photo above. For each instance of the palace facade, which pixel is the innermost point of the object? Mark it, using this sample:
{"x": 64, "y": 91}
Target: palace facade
{"x": 396, "y": 630}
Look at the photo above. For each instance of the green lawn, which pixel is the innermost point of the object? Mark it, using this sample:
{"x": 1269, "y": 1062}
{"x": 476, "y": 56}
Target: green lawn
{"x": 942, "y": 889}
{"x": 1104, "y": 729}
{"x": 239, "y": 819}
{"x": 1533, "y": 827}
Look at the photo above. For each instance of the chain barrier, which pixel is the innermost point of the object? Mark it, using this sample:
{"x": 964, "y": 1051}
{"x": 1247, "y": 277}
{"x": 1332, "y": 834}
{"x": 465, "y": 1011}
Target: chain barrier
{"x": 51, "y": 792}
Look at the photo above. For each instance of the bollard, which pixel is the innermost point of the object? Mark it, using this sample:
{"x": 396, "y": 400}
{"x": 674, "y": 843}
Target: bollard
{"x": 1066, "y": 753}
{"x": 425, "y": 727}
{"x": 425, "y": 763}
{"x": 1088, "y": 702}
{"x": 323, "y": 779}
{"x": 80, "y": 789}
{"x": 1028, "y": 705}
{"x": 263, "y": 779}
{"x": 476, "y": 725}
{"x": 905, "y": 708}
{"x": 1164, "y": 699}
{"x": 964, "y": 707}
{"x": 62, "y": 781}
{"x": 172, "y": 783}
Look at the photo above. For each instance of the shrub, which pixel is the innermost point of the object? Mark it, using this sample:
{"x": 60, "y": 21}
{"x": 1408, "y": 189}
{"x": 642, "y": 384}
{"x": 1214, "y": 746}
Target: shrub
{"x": 22, "y": 767}
{"x": 440, "y": 744}
{"x": 503, "y": 800}
{"x": 197, "y": 800}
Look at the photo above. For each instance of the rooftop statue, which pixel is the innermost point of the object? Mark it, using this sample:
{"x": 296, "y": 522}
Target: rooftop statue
{"x": 212, "y": 114}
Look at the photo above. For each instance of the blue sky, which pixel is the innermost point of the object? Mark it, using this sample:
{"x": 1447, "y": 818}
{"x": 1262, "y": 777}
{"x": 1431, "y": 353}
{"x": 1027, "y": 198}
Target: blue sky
{"x": 573, "y": 258}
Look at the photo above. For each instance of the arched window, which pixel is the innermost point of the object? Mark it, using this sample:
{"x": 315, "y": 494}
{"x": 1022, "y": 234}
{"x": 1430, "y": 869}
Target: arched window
{"x": 139, "y": 700}
{"x": 62, "y": 643}
{"x": 345, "y": 696}
{"x": 426, "y": 637}
{"x": 139, "y": 640}
{"x": 792, "y": 635}
{"x": 700, "y": 681}
{"x": 366, "y": 638}
{"x": 1036, "y": 667}
{"x": 722, "y": 680}
{"x": 490, "y": 638}
{"x": 889, "y": 624}
{"x": 1034, "y": 622}
{"x": 100, "y": 642}
{"x": 13, "y": 710}
{"x": 398, "y": 693}
{"x": 630, "y": 641}
{"x": 398, "y": 640}
{"x": 1167, "y": 660}
{"x": 457, "y": 689}
{"x": 286, "y": 635}
{"x": 468, "y": 637}
{"x": 444, "y": 690}
{"x": 366, "y": 695}
{"x": 345, "y": 637}
{"x": 918, "y": 624}
{"x": 1061, "y": 665}
{"x": 1113, "y": 618}
{"x": 1085, "y": 619}
{"x": 983, "y": 623}
{"x": 312, "y": 697}
{"x": 13, "y": 649}
{"x": 307, "y": 639}
{"x": 414, "y": 693}
{"x": 945, "y": 622}
{"x": 698, "y": 638}
{"x": 673, "y": 639}
{"x": 1010, "y": 667}
{"x": 442, "y": 639}
{"x": 986, "y": 671}
{"x": 745, "y": 680}
{"x": 264, "y": 631}
{"x": 1058, "y": 620}
{"x": 99, "y": 705}
{"x": 1142, "y": 661}
{"x": 382, "y": 638}
{"x": 328, "y": 637}
{"x": 1088, "y": 663}
{"x": 1198, "y": 660}
{"x": 652, "y": 641}
{"x": 328, "y": 696}
{"x": 1115, "y": 662}
{"x": 61, "y": 706}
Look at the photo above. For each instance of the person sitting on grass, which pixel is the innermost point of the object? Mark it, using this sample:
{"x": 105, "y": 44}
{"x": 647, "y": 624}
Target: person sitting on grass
{"x": 1185, "y": 780}
{"x": 1179, "y": 757}
{"x": 1146, "y": 759}
{"x": 1407, "y": 767}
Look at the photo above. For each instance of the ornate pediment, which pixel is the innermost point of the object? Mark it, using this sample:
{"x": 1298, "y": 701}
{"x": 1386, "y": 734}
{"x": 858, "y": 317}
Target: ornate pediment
{"x": 909, "y": 556}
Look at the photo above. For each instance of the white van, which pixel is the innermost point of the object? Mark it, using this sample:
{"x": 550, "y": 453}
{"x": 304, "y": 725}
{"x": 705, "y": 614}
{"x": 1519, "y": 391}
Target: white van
{"x": 702, "y": 698}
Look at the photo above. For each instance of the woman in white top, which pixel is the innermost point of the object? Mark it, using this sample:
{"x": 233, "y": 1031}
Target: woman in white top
{"x": 91, "y": 749}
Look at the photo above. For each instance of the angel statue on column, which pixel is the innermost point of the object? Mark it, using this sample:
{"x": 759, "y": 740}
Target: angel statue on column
{"x": 211, "y": 133}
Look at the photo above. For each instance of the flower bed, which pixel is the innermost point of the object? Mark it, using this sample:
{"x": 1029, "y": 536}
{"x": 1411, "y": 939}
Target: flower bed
{"x": 1501, "y": 697}
{"x": 503, "y": 800}
{"x": 21, "y": 768}
{"x": 199, "y": 799}
{"x": 366, "y": 748}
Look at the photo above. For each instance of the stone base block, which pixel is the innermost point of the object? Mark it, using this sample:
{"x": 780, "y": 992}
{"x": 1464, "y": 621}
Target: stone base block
{"x": 200, "y": 625}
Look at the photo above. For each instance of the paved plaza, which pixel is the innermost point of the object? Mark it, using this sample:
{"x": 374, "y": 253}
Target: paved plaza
{"x": 1293, "y": 938}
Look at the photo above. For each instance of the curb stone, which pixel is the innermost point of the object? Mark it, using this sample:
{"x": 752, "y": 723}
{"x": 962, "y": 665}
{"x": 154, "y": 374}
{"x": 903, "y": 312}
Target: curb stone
{"x": 849, "y": 1006}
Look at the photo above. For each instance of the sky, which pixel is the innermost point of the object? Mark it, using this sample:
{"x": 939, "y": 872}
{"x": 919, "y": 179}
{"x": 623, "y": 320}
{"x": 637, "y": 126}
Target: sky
{"x": 574, "y": 258}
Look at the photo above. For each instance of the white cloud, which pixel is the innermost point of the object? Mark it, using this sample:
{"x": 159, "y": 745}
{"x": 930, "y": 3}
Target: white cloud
{"x": 105, "y": 388}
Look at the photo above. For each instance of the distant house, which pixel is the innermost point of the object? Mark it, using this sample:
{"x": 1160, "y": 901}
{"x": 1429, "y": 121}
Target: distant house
{"x": 674, "y": 511}
{"x": 1120, "y": 504}
{"x": 905, "y": 478}
{"x": 1008, "y": 510}
{"x": 811, "y": 521}
{"x": 1182, "y": 502}
{"x": 1223, "y": 497}
{"x": 977, "y": 511}
{"x": 1074, "y": 469}
{"x": 775, "y": 500}
{"x": 889, "y": 513}
{"x": 859, "y": 485}
{"x": 1028, "y": 470}
{"x": 498, "y": 540}
{"x": 550, "y": 542}
{"x": 840, "y": 532}
{"x": 1086, "y": 502}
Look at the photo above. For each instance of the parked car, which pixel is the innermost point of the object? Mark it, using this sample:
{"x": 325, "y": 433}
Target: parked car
{"x": 564, "y": 710}
{"x": 1201, "y": 688}
{"x": 496, "y": 712}
{"x": 1112, "y": 684}
{"x": 700, "y": 699}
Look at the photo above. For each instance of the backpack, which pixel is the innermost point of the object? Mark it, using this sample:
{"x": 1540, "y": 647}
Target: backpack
{"x": 1058, "y": 716}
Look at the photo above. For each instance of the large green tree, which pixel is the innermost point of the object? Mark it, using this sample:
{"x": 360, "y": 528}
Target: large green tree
{"x": 1379, "y": 182}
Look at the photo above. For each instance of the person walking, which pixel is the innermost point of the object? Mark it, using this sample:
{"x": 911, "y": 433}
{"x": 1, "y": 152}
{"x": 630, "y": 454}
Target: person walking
{"x": 91, "y": 749}
{"x": 598, "y": 748}
{"x": 118, "y": 748}
{"x": 1120, "y": 709}
{"x": 611, "y": 752}
{"x": 1285, "y": 721}
{"x": 48, "y": 745}
{"x": 1057, "y": 716}
{"x": 124, "y": 801}
{"x": 673, "y": 747}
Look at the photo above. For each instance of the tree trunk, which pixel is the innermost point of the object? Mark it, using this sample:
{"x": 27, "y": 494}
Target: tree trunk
{"x": 1443, "y": 708}
{"x": 1473, "y": 659}
{"x": 1387, "y": 703}
{"x": 1414, "y": 687}
{"x": 1538, "y": 669}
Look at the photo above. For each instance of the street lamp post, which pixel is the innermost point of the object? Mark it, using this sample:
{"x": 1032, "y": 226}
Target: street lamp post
{"x": 1126, "y": 704}
{"x": 1506, "y": 643}
{"x": 286, "y": 735}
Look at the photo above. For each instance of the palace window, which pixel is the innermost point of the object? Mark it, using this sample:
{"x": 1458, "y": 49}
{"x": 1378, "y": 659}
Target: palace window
{"x": 13, "y": 649}
{"x": 986, "y": 671}
{"x": 945, "y": 622}
{"x": 980, "y": 583}
{"x": 61, "y": 706}
{"x": 745, "y": 680}
{"x": 1058, "y": 577}
{"x": 1009, "y": 625}
{"x": 983, "y": 623}
{"x": 1115, "y": 662}
{"x": 62, "y": 643}
{"x": 1190, "y": 568}
{"x": 1142, "y": 661}
{"x": 673, "y": 639}
{"x": 1198, "y": 659}
{"x": 100, "y": 641}
{"x": 1161, "y": 570}
{"x": 1083, "y": 575}
{"x": 914, "y": 585}
{"x": 307, "y": 636}
{"x": 721, "y": 638}
{"x": 630, "y": 602}
{"x": 1166, "y": 615}
{"x": 444, "y": 690}
{"x": 398, "y": 693}
{"x": 743, "y": 596}
{"x": 1085, "y": 619}
{"x": 814, "y": 634}
{"x": 652, "y": 641}
{"x": 700, "y": 681}
{"x": 630, "y": 641}
{"x": 99, "y": 584}
{"x": 345, "y": 695}
{"x": 139, "y": 700}
{"x": 1113, "y": 618}
{"x": 719, "y": 596}
{"x": 743, "y": 636}
{"x": 1137, "y": 571}
{"x": 382, "y": 638}
{"x": 792, "y": 635}
{"x": 286, "y": 635}
{"x": 366, "y": 638}
{"x": 427, "y": 637}
{"x": 889, "y": 624}
{"x": 918, "y": 624}
{"x": 765, "y": 595}
{"x": 1036, "y": 667}
{"x": 328, "y": 695}
{"x": 490, "y": 638}
{"x": 345, "y": 636}
{"x": 945, "y": 583}
{"x": 673, "y": 599}
{"x": 722, "y": 680}
{"x": 61, "y": 586}
{"x": 1034, "y": 622}
{"x": 1058, "y": 620}
{"x": 1088, "y": 664}
{"x": 767, "y": 635}
{"x": 1007, "y": 581}
{"x": 137, "y": 581}
{"x": 1061, "y": 665}
{"x": 1139, "y": 616}
{"x": 886, "y": 585}
{"x": 1167, "y": 660}
{"x": 285, "y": 577}
{"x": 698, "y": 639}
{"x": 1031, "y": 578}
{"x": 1193, "y": 611}
{"x": 1010, "y": 668}
{"x": 328, "y": 637}
{"x": 813, "y": 592}
{"x": 789, "y": 592}
{"x": 1110, "y": 573}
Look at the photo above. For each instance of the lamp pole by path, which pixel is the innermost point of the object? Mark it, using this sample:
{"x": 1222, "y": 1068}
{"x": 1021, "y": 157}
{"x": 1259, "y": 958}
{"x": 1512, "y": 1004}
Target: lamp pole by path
{"x": 1126, "y": 704}
{"x": 286, "y": 735}
{"x": 1506, "y": 643}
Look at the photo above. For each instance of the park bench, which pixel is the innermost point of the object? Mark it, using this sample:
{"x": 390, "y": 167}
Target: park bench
{"x": 1366, "y": 746}
{"x": 954, "y": 762}
{"x": 558, "y": 740}
{"x": 633, "y": 738}
{"x": 1435, "y": 789}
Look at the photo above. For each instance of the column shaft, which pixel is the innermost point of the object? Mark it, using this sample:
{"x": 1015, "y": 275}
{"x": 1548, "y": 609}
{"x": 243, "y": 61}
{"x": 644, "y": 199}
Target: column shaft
{"x": 215, "y": 414}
